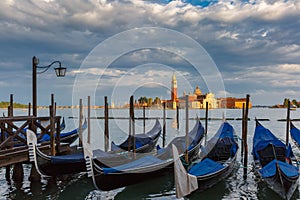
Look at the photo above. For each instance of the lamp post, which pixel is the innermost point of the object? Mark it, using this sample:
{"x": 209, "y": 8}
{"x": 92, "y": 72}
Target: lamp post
{"x": 60, "y": 72}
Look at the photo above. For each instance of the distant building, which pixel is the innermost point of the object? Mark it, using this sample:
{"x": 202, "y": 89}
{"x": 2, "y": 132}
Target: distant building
{"x": 172, "y": 103}
{"x": 198, "y": 100}
{"x": 211, "y": 100}
{"x": 231, "y": 102}
{"x": 174, "y": 91}
{"x": 195, "y": 100}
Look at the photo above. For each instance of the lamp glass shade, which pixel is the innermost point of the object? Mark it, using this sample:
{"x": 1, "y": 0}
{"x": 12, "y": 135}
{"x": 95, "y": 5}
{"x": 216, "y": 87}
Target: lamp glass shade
{"x": 60, "y": 71}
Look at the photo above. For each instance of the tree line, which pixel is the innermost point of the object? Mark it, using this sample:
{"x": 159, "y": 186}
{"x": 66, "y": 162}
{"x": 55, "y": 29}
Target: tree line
{"x": 293, "y": 102}
{"x": 145, "y": 101}
{"x": 5, "y": 104}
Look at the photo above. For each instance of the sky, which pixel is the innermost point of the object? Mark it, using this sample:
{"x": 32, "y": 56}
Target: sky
{"x": 120, "y": 48}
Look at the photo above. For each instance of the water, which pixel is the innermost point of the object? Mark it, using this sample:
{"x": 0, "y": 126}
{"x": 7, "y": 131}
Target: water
{"x": 80, "y": 187}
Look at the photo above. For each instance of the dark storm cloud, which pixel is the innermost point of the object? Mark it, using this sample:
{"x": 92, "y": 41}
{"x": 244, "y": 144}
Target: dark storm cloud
{"x": 250, "y": 41}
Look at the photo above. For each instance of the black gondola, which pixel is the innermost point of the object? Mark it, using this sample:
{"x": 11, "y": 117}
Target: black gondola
{"x": 295, "y": 134}
{"x": 215, "y": 163}
{"x": 144, "y": 142}
{"x": 274, "y": 162}
{"x": 67, "y": 137}
{"x": 146, "y": 167}
{"x": 75, "y": 163}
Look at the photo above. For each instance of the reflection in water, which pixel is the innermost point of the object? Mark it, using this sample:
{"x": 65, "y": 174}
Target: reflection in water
{"x": 157, "y": 187}
{"x": 81, "y": 187}
{"x": 264, "y": 192}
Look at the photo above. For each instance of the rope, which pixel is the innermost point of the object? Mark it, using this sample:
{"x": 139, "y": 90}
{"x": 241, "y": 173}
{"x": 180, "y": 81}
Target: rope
{"x": 238, "y": 137}
{"x": 277, "y": 166}
{"x": 184, "y": 163}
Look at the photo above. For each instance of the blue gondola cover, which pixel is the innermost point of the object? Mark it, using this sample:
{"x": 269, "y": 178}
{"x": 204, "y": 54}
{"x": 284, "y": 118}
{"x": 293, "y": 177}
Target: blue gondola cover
{"x": 270, "y": 169}
{"x": 72, "y": 158}
{"x": 295, "y": 133}
{"x": 262, "y": 138}
{"x": 207, "y": 166}
{"x": 142, "y": 162}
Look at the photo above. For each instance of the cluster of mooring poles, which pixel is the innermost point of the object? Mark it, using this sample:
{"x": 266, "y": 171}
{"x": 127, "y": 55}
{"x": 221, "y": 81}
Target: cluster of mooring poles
{"x": 7, "y": 125}
{"x": 13, "y": 146}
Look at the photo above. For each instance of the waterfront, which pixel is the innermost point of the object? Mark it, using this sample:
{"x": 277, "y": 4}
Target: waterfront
{"x": 80, "y": 187}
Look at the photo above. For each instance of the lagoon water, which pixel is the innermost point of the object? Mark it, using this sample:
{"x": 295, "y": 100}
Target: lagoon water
{"x": 80, "y": 187}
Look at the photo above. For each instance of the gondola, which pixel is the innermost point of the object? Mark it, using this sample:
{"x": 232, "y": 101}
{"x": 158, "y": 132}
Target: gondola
{"x": 75, "y": 163}
{"x": 215, "y": 163}
{"x": 274, "y": 162}
{"x": 295, "y": 134}
{"x": 144, "y": 142}
{"x": 146, "y": 167}
{"x": 67, "y": 137}
{"x": 47, "y": 122}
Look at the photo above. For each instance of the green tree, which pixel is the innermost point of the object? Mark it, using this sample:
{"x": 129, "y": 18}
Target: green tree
{"x": 5, "y": 104}
{"x": 143, "y": 100}
{"x": 157, "y": 100}
{"x": 286, "y": 102}
{"x": 150, "y": 101}
{"x": 295, "y": 102}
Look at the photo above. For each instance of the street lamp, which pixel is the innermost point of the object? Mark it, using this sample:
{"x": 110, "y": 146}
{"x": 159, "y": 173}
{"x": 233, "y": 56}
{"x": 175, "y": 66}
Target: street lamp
{"x": 60, "y": 72}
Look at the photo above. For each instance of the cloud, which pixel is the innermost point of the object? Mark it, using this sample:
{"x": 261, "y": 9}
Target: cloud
{"x": 99, "y": 72}
{"x": 254, "y": 43}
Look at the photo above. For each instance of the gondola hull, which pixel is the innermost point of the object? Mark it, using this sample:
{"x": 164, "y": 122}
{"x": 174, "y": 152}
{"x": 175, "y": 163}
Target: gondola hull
{"x": 50, "y": 167}
{"x": 75, "y": 163}
{"x": 274, "y": 162}
{"x": 285, "y": 192}
{"x": 70, "y": 139}
{"x": 281, "y": 184}
{"x": 205, "y": 182}
{"x": 62, "y": 169}
{"x": 133, "y": 174}
{"x": 118, "y": 180}
{"x": 143, "y": 149}
{"x": 112, "y": 181}
{"x": 215, "y": 163}
{"x": 144, "y": 142}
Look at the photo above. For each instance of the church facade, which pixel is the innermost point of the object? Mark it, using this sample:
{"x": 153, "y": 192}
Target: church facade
{"x": 195, "y": 99}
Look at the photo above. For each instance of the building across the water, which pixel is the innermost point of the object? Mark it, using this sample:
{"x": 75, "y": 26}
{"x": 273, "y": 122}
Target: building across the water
{"x": 231, "y": 102}
{"x": 198, "y": 100}
{"x": 195, "y": 99}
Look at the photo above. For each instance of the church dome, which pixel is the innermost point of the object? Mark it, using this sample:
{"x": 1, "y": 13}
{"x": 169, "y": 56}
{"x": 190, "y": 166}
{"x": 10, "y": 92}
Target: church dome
{"x": 197, "y": 91}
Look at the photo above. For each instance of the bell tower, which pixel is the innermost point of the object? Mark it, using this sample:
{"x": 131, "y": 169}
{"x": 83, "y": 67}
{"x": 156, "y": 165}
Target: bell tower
{"x": 174, "y": 91}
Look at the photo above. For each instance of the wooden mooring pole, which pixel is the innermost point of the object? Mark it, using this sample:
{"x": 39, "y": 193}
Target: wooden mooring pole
{"x": 206, "y": 123}
{"x": 29, "y": 109}
{"x": 130, "y": 125}
{"x": 34, "y": 175}
{"x": 52, "y": 125}
{"x": 144, "y": 120}
{"x": 7, "y": 170}
{"x": 186, "y": 128}
{"x": 18, "y": 172}
{"x": 89, "y": 121}
{"x": 80, "y": 121}
{"x": 164, "y": 124}
{"x": 287, "y": 124}
{"x": 106, "y": 127}
{"x": 11, "y": 104}
{"x": 245, "y": 137}
{"x": 133, "y": 124}
{"x": 177, "y": 116}
{"x": 57, "y": 138}
{"x": 243, "y": 130}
